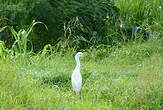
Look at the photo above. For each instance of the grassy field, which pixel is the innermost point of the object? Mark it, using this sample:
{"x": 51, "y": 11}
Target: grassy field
{"x": 126, "y": 78}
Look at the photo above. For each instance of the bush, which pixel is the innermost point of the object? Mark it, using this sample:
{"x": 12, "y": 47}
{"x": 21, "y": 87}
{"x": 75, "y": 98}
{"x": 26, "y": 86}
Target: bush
{"x": 93, "y": 17}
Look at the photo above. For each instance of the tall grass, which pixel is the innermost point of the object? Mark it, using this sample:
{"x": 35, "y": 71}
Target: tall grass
{"x": 141, "y": 12}
{"x": 20, "y": 45}
{"x": 128, "y": 78}
{"x": 137, "y": 12}
{"x": 21, "y": 38}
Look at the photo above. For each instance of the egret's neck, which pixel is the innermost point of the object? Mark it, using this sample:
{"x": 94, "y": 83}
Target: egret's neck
{"x": 77, "y": 63}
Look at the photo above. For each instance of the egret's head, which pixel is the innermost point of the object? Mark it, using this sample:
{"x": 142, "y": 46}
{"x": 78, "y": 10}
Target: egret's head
{"x": 79, "y": 54}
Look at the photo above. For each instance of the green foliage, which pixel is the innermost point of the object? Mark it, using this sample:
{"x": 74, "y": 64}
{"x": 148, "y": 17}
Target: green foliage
{"x": 3, "y": 28}
{"x": 138, "y": 12}
{"x": 84, "y": 23}
{"x": 2, "y": 50}
{"x": 92, "y": 16}
{"x": 115, "y": 82}
{"x": 46, "y": 51}
{"x": 21, "y": 38}
{"x": 138, "y": 51}
{"x": 116, "y": 75}
{"x": 81, "y": 24}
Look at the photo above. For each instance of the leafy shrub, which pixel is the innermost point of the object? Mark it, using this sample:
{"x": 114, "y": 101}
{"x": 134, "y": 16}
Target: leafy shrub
{"x": 21, "y": 38}
{"x": 83, "y": 23}
{"x": 93, "y": 16}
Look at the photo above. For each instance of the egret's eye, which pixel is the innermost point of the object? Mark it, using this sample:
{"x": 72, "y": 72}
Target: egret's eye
{"x": 81, "y": 54}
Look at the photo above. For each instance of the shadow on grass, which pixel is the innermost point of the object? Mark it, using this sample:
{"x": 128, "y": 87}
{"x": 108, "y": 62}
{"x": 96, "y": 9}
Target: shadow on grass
{"x": 62, "y": 80}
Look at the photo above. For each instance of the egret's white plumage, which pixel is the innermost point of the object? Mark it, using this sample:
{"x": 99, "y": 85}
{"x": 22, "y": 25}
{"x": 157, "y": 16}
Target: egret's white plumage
{"x": 76, "y": 78}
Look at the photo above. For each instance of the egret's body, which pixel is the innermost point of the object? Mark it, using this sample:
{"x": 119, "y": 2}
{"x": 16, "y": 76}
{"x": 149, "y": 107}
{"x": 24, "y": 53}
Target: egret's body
{"x": 76, "y": 78}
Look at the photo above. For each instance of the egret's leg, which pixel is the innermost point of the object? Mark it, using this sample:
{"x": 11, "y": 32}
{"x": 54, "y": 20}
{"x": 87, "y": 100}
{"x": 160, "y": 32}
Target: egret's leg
{"x": 80, "y": 95}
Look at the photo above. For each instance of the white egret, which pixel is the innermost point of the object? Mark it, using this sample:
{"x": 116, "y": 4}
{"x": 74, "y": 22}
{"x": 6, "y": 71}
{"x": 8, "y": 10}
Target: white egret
{"x": 76, "y": 78}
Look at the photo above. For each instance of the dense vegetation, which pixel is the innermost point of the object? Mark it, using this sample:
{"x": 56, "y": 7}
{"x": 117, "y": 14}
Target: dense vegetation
{"x": 121, "y": 71}
{"x": 129, "y": 78}
{"x": 83, "y": 23}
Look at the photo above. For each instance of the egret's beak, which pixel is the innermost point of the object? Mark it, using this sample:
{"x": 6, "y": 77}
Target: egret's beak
{"x": 83, "y": 54}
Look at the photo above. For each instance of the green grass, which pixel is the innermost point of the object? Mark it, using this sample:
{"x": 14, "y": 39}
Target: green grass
{"x": 128, "y": 78}
{"x": 138, "y": 12}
